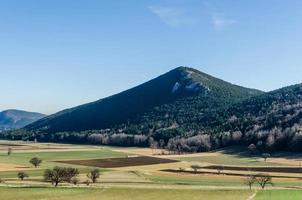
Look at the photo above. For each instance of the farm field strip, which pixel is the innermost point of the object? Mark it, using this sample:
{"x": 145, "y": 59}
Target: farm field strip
{"x": 279, "y": 195}
{"x": 275, "y": 169}
{"x": 118, "y": 194}
{"x": 232, "y": 173}
{"x": 222, "y": 159}
{"x": 119, "y": 162}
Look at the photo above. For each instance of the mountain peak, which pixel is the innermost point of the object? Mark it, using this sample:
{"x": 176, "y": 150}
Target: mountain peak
{"x": 171, "y": 88}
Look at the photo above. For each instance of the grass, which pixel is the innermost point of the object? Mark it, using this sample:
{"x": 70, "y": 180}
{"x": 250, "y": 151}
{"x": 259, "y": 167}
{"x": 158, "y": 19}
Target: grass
{"x": 226, "y": 159}
{"x": 279, "y": 195}
{"x": 119, "y": 194}
{"x": 47, "y": 157}
{"x": 195, "y": 180}
{"x": 22, "y": 158}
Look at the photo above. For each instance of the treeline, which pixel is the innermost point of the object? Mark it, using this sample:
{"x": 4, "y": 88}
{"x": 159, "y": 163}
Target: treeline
{"x": 176, "y": 141}
{"x": 83, "y": 137}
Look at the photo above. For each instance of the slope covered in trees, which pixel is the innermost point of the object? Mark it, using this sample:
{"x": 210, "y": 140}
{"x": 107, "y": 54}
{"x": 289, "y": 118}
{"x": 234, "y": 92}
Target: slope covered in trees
{"x": 175, "y": 88}
{"x": 183, "y": 110}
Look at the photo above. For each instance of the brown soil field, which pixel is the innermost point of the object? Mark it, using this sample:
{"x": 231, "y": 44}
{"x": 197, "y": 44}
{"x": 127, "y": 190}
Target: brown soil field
{"x": 119, "y": 162}
{"x": 257, "y": 169}
{"x": 228, "y": 173}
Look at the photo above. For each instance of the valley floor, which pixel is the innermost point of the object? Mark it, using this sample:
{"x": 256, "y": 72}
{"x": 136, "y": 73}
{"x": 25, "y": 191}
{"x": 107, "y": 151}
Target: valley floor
{"x": 142, "y": 173}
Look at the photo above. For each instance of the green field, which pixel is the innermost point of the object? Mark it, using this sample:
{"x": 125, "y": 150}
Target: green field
{"x": 119, "y": 194}
{"x": 202, "y": 180}
{"x": 279, "y": 195}
{"x": 49, "y": 157}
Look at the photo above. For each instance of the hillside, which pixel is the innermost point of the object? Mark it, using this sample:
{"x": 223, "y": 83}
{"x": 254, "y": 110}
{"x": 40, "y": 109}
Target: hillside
{"x": 175, "y": 91}
{"x": 14, "y": 119}
{"x": 271, "y": 121}
{"x": 182, "y": 110}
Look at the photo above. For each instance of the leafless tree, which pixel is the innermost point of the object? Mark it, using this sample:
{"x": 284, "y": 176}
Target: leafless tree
{"x": 93, "y": 175}
{"x": 9, "y": 151}
{"x": 250, "y": 181}
{"x": 263, "y": 180}
{"x": 195, "y": 168}
{"x": 265, "y": 156}
{"x": 60, "y": 174}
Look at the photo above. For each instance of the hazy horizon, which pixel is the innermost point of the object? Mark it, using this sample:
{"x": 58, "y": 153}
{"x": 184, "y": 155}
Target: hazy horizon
{"x": 59, "y": 54}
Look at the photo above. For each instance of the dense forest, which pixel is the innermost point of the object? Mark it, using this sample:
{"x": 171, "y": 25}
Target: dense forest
{"x": 190, "y": 112}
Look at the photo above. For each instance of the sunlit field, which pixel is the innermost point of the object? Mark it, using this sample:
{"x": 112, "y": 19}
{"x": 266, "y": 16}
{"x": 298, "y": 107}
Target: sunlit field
{"x": 118, "y": 193}
{"x": 128, "y": 180}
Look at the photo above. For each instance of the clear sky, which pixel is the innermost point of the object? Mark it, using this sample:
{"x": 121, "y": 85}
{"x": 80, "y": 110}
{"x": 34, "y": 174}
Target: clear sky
{"x": 56, "y": 54}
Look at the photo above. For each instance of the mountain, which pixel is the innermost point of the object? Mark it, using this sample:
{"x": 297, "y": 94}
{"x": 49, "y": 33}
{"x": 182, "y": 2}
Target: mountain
{"x": 182, "y": 91}
{"x": 14, "y": 119}
{"x": 182, "y": 110}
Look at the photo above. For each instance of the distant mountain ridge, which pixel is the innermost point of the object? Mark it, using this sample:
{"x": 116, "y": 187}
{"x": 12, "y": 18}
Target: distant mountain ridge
{"x": 178, "y": 84}
{"x": 14, "y": 119}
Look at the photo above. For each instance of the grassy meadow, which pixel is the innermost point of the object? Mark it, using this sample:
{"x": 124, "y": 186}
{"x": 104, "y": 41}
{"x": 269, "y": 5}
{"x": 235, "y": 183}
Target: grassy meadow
{"x": 119, "y": 193}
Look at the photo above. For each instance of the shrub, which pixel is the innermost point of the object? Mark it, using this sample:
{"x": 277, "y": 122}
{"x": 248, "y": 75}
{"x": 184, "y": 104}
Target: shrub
{"x": 22, "y": 175}
{"x": 35, "y": 161}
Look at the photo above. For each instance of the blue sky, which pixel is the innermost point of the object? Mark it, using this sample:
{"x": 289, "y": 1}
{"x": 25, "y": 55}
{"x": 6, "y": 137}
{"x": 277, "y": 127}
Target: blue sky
{"x": 55, "y": 54}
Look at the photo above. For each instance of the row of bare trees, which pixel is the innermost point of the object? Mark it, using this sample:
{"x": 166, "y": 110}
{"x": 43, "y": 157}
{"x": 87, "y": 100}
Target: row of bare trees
{"x": 70, "y": 175}
{"x": 250, "y": 180}
{"x": 63, "y": 174}
{"x": 261, "y": 179}
{"x": 58, "y": 174}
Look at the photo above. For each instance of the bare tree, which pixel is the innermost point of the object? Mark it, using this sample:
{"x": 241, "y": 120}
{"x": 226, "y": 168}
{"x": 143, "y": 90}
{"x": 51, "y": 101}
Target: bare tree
{"x": 59, "y": 174}
{"x": 9, "y": 151}
{"x": 70, "y": 174}
{"x": 195, "y": 168}
{"x": 93, "y": 175}
{"x": 181, "y": 169}
{"x": 220, "y": 169}
{"x": 87, "y": 182}
{"x": 263, "y": 180}
{"x": 265, "y": 156}
{"x": 153, "y": 144}
{"x": 249, "y": 181}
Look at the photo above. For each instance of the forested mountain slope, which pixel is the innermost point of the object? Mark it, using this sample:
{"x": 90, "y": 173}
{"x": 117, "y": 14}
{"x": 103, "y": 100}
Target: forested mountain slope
{"x": 182, "y": 110}
{"x": 175, "y": 88}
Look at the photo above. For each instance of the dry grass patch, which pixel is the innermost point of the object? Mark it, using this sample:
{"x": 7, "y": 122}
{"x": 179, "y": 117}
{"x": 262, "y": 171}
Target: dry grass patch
{"x": 4, "y": 167}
